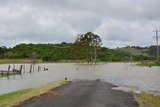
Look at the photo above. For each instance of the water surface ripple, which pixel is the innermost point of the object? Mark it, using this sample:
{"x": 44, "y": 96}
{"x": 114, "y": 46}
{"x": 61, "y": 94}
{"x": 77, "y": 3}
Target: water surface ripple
{"x": 121, "y": 74}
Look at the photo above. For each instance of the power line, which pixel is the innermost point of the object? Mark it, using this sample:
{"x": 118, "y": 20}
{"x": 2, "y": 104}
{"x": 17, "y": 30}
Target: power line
{"x": 157, "y": 38}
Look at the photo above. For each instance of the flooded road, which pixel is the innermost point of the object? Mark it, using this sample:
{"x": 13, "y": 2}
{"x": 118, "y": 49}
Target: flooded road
{"x": 121, "y": 74}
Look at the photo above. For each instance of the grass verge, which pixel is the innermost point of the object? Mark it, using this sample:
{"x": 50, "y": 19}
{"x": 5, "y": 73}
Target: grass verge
{"x": 17, "y": 61}
{"x": 148, "y": 64}
{"x": 20, "y": 61}
{"x": 14, "y": 98}
{"x": 147, "y": 100}
{"x": 5, "y": 75}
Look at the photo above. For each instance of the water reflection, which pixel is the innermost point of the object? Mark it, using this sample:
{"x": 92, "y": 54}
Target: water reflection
{"x": 122, "y": 74}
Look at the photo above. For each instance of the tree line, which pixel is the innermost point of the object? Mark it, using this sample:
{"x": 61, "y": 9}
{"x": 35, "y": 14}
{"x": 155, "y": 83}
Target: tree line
{"x": 86, "y": 47}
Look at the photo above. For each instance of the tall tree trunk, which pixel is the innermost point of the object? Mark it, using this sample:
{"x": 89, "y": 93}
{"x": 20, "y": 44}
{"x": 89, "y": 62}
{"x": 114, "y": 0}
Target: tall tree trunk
{"x": 87, "y": 53}
{"x": 91, "y": 56}
{"x": 95, "y": 55}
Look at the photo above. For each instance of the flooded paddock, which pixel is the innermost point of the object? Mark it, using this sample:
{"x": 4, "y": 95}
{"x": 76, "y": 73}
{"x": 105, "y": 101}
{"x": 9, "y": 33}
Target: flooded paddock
{"x": 121, "y": 74}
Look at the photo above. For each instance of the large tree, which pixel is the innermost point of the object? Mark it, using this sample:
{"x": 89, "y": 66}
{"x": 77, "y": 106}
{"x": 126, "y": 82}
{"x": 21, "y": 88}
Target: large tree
{"x": 87, "y": 44}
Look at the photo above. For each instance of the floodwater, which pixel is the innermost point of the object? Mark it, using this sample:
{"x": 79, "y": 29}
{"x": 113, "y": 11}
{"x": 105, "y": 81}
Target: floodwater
{"x": 120, "y": 74}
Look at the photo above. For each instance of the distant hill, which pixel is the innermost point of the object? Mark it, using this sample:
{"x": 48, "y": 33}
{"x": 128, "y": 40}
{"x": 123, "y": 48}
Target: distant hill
{"x": 135, "y": 51}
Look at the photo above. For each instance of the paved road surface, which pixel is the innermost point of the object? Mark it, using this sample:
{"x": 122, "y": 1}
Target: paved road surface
{"x": 83, "y": 94}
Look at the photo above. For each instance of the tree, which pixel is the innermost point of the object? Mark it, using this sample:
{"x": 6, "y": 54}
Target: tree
{"x": 34, "y": 57}
{"x": 46, "y": 56}
{"x": 88, "y": 44}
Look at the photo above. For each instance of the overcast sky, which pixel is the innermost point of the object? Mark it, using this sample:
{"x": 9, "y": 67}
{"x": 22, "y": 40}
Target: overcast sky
{"x": 117, "y": 22}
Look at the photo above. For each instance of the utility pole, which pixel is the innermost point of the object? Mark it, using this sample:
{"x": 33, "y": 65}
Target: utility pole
{"x": 157, "y": 37}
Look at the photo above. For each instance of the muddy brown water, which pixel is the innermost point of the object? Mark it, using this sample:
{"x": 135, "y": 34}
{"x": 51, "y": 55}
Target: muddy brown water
{"x": 121, "y": 74}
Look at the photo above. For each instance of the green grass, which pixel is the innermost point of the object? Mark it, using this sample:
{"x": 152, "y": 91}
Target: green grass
{"x": 147, "y": 100}
{"x": 20, "y": 61}
{"x": 148, "y": 64}
{"x": 16, "y": 61}
{"x": 5, "y": 75}
{"x": 15, "y": 98}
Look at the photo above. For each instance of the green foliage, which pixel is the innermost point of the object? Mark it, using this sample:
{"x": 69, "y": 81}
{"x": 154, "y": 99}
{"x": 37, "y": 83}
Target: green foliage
{"x": 87, "y": 45}
{"x": 46, "y": 52}
{"x": 152, "y": 51}
{"x": 134, "y": 51}
{"x": 115, "y": 55}
{"x": 76, "y": 51}
{"x": 46, "y": 56}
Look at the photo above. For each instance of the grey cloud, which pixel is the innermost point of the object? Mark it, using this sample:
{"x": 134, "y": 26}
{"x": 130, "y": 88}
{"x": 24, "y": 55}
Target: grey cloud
{"x": 134, "y": 32}
{"x": 116, "y": 21}
{"x": 125, "y": 9}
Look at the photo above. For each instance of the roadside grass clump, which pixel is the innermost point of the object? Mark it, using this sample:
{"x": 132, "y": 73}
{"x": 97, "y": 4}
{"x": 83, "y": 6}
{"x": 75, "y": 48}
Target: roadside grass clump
{"x": 147, "y": 100}
{"x": 14, "y": 98}
{"x": 149, "y": 64}
{"x": 17, "y": 61}
{"x": 6, "y": 75}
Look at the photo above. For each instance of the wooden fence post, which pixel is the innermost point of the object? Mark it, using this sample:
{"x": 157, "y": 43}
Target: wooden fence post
{"x": 30, "y": 69}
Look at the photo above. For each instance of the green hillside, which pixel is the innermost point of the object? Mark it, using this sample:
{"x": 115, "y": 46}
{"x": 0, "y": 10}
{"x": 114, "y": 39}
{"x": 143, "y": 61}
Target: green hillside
{"x": 134, "y": 51}
{"x": 67, "y": 52}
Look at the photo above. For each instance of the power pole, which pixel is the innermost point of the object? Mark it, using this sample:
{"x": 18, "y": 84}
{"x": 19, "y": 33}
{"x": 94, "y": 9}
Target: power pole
{"x": 157, "y": 37}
